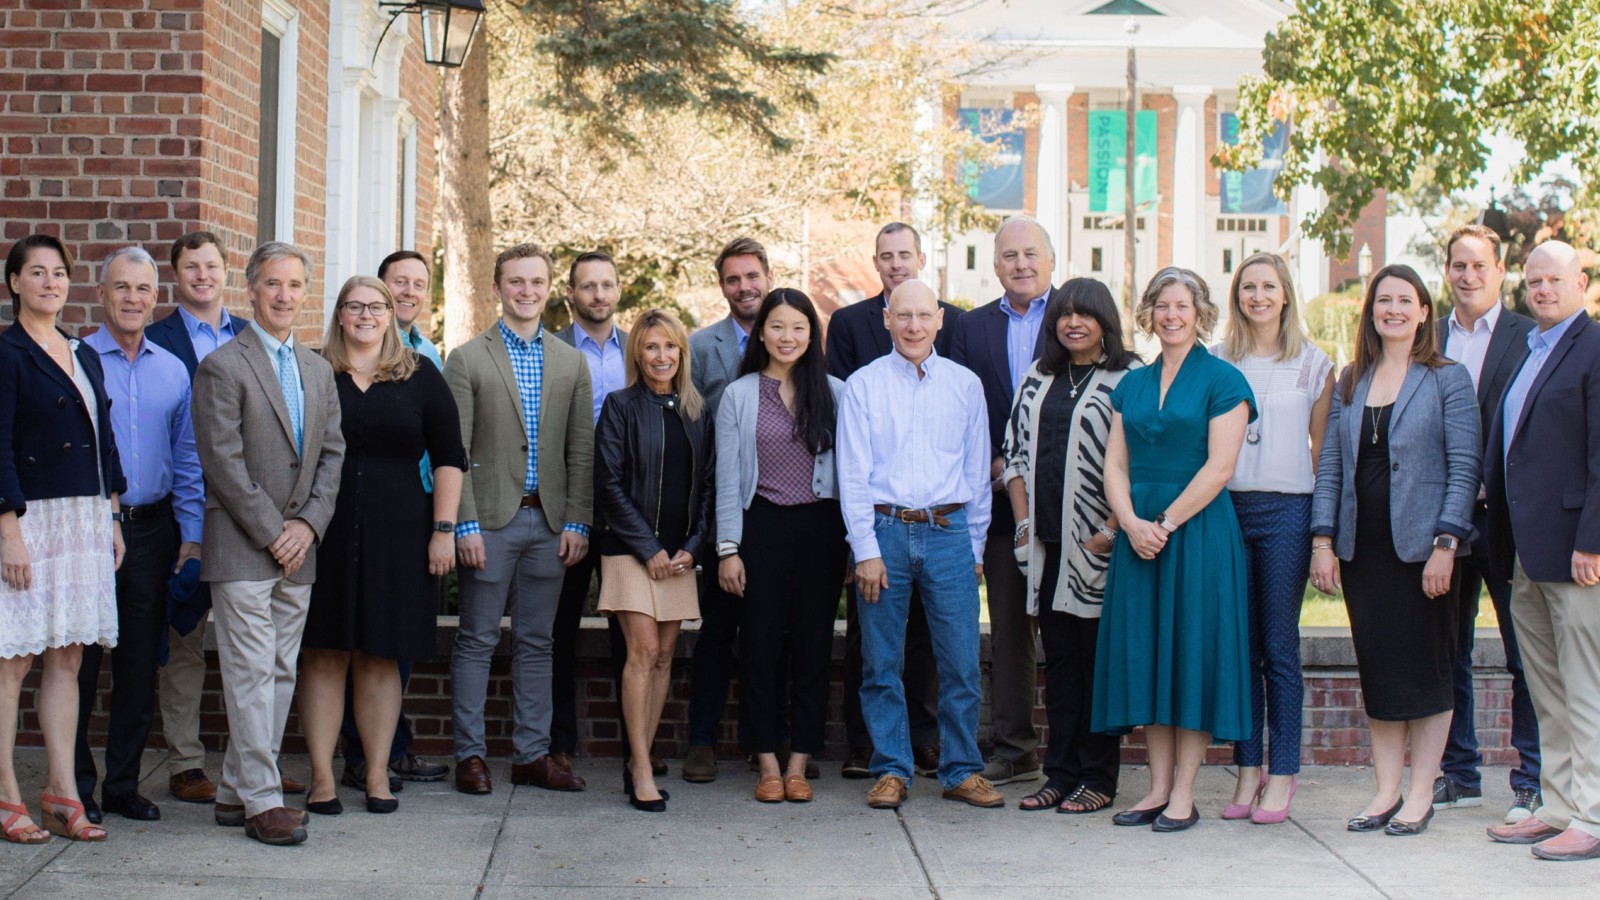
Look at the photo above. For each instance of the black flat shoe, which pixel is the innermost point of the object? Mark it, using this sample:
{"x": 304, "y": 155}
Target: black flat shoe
{"x": 91, "y": 809}
{"x": 382, "y": 804}
{"x": 1399, "y": 828}
{"x": 1165, "y": 825}
{"x": 1374, "y": 823}
{"x": 325, "y": 807}
{"x": 1139, "y": 816}
{"x": 132, "y": 807}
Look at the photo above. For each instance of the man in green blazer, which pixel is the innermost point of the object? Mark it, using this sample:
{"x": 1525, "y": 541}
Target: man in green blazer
{"x": 525, "y": 514}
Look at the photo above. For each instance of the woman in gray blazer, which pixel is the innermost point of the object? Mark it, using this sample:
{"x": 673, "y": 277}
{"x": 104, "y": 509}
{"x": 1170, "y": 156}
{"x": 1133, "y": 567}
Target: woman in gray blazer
{"x": 780, "y": 535}
{"x": 1392, "y": 510}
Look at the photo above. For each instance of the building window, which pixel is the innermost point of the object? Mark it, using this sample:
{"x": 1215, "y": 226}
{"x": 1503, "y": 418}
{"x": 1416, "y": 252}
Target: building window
{"x": 1227, "y": 261}
{"x": 1097, "y": 260}
{"x": 972, "y": 258}
{"x": 1123, "y": 8}
{"x": 275, "y": 152}
{"x": 267, "y": 167}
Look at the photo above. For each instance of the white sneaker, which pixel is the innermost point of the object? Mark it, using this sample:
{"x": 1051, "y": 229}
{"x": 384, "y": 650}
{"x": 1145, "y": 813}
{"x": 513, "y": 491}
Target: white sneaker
{"x": 1527, "y": 800}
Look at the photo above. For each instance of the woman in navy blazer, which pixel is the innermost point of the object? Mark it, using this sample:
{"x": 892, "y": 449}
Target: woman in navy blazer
{"x": 59, "y": 541}
{"x": 1396, "y": 483}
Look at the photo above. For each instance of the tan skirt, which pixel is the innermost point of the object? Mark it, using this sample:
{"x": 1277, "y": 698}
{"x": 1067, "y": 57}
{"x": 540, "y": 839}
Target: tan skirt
{"x": 625, "y": 586}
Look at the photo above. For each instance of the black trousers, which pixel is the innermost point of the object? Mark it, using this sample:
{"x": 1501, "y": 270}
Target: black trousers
{"x": 564, "y": 653}
{"x": 1075, "y": 755}
{"x": 794, "y": 558}
{"x": 152, "y": 548}
{"x": 921, "y": 677}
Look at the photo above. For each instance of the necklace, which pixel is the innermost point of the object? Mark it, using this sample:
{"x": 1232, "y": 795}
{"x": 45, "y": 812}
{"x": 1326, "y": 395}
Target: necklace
{"x": 1374, "y": 410}
{"x": 1074, "y": 383}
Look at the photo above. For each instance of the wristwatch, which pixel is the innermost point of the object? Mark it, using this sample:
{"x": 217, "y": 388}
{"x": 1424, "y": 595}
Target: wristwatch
{"x": 1166, "y": 524}
{"x": 119, "y": 517}
{"x": 1446, "y": 542}
{"x": 444, "y": 527}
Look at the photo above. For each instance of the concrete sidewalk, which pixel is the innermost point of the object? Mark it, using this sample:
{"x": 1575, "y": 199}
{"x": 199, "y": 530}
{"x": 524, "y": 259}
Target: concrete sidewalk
{"x": 716, "y": 841}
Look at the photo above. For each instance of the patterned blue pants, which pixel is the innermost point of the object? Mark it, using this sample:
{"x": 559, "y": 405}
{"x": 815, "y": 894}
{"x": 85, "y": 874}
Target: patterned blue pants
{"x": 1277, "y": 550}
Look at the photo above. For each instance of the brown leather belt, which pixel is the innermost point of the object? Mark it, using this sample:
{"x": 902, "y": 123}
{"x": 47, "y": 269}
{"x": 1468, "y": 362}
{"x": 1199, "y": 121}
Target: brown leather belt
{"x": 530, "y": 501}
{"x": 918, "y": 516}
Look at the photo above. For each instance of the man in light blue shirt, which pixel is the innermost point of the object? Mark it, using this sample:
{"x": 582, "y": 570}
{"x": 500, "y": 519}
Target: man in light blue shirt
{"x": 163, "y": 505}
{"x": 913, "y": 452}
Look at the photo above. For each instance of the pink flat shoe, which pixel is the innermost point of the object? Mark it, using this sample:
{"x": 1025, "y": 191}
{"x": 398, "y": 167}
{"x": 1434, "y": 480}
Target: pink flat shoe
{"x": 1276, "y": 816}
{"x": 1243, "y": 810}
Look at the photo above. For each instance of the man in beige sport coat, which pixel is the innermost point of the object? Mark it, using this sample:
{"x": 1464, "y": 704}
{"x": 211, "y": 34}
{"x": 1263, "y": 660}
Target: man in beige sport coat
{"x": 528, "y": 426}
{"x": 266, "y": 423}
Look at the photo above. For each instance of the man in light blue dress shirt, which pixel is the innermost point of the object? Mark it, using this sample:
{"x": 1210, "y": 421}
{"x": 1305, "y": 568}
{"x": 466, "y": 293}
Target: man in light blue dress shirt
{"x": 913, "y": 454}
{"x": 164, "y": 504}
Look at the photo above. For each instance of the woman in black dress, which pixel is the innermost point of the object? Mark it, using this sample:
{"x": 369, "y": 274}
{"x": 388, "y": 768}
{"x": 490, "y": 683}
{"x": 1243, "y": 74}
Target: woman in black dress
{"x": 374, "y": 600}
{"x": 1396, "y": 482}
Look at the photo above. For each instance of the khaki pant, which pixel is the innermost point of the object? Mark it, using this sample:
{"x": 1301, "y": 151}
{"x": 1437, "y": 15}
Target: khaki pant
{"x": 182, "y": 681}
{"x": 1558, "y": 632}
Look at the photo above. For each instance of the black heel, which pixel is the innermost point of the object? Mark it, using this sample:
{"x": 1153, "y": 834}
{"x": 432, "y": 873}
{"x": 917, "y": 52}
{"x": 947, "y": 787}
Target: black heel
{"x": 627, "y": 787}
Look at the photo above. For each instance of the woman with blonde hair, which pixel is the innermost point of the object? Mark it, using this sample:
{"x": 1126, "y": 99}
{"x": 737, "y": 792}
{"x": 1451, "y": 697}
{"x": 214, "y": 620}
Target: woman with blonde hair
{"x": 373, "y": 603}
{"x": 1292, "y": 380}
{"x": 653, "y": 472}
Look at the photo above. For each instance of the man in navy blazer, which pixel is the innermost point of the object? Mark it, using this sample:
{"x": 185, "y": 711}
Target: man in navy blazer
{"x": 998, "y": 341}
{"x": 857, "y": 336}
{"x": 1542, "y": 474}
{"x": 1491, "y": 341}
{"x": 198, "y": 326}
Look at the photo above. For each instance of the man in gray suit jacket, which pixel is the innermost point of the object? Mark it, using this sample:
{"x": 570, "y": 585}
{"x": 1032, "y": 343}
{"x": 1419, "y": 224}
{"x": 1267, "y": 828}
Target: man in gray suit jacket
{"x": 716, "y": 351}
{"x": 528, "y": 426}
{"x": 266, "y": 423}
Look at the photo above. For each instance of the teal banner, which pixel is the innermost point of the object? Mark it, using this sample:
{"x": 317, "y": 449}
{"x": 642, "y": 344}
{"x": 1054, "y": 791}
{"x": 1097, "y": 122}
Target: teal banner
{"x": 1108, "y": 146}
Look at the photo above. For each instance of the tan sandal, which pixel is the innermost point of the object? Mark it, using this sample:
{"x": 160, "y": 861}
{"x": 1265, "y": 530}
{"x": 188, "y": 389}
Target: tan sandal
{"x": 15, "y": 831}
{"x": 65, "y": 818}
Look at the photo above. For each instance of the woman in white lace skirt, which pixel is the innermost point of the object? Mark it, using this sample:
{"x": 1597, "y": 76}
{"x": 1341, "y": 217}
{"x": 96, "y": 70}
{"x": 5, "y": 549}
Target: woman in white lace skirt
{"x": 60, "y": 542}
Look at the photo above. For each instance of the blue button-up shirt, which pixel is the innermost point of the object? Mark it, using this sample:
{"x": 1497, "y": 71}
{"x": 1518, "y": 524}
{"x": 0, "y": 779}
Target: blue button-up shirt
{"x": 527, "y": 366}
{"x": 297, "y": 391}
{"x": 204, "y": 338}
{"x": 413, "y": 339}
{"x": 744, "y": 338}
{"x": 155, "y": 435}
{"x": 1540, "y": 343}
{"x": 1022, "y": 335}
{"x": 912, "y": 442}
{"x": 606, "y": 371}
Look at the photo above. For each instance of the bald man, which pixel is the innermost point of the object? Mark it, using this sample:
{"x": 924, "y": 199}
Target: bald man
{"x": 1542, "y": 476}
{"x": 914, "y": 488}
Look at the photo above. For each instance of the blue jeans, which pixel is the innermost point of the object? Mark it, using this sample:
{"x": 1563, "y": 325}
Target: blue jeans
{"x": 938, "y": 560}
{"x": 1276, "y": 529}
{"x": 1461, "y": 757}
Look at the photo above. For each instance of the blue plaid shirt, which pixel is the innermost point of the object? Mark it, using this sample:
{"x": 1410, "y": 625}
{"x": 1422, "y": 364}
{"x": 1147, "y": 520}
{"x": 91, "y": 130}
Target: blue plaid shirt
{"x": 527, "y": 365}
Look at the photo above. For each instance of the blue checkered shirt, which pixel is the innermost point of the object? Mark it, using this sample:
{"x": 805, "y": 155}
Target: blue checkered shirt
{"x": 527, "y": 365}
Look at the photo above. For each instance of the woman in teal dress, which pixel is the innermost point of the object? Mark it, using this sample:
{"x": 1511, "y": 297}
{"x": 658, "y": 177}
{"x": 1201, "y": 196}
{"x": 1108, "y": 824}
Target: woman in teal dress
{"x": 1174, "y": 647}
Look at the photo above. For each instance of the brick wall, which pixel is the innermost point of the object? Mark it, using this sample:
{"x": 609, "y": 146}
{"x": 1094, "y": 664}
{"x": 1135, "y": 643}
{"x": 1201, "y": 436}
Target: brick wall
{"x": 1370, "y": 229}
{"x": 1334, "y": 729}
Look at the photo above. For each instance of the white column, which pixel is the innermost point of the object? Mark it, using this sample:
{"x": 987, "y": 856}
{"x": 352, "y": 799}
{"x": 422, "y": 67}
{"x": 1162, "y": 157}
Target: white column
{"x": 1051, "y": 177}
{"x": 1189, "y": 177}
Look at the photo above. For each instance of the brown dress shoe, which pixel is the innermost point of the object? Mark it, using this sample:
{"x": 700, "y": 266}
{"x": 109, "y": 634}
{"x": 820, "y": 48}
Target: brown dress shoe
{"x": 796, "y": 789}
{"x": 925, "y": 761}
{"x": 976, "y": 791}
{"x": 1528, "y": 831}
{"x": 769, "y": 789}
{"x": 562, "y": 761}
{"x": 658, "y": 766}
{"x": 290, "y": 786}
{"x": 472, "y": 776}
{"x": 546, "y": 773}
{"x": 275, "y": 826}
{"x": 888, "y": 793}
{"x": 192, "y": 786}
{"x": 231, "y": 815}
{"x": 1571, "y": 845}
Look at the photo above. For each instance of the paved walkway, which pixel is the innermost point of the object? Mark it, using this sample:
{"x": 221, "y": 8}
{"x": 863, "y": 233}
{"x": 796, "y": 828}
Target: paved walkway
{"x": 715, "y": 841}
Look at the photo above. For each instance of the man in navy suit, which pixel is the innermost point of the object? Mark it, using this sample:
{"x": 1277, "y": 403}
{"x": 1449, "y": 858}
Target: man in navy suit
{"x": 198, "y": 326}
{"x": 1542, "y": 475}
{"x": 1491, "y": 342}
{"x": 998, "y": 341}
{"x": 857, "y": 336}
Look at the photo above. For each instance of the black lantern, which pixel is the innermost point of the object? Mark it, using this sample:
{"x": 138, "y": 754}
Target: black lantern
{"x": 1494, "y": 218}
{"x": 448, "y": 27}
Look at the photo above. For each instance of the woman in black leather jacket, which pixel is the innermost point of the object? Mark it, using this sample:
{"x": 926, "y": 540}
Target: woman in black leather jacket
{"x": 653, "y": 470}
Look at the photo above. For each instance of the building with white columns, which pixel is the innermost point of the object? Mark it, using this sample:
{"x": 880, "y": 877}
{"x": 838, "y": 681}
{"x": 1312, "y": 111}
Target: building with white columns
{"x": 1064, "y": 83}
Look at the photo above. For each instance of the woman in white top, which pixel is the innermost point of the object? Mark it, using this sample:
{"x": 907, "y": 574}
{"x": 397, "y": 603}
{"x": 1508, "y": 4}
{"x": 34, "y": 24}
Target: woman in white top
{"x": 1271, "y": 489}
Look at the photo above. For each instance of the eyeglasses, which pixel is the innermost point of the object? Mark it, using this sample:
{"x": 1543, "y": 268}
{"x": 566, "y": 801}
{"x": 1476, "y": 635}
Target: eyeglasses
{"x": 922, "y": 318}
{"x": 375, "y": 310}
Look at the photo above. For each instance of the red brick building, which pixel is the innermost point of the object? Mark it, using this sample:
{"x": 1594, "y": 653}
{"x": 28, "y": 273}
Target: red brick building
{"x": 135, "y": 121}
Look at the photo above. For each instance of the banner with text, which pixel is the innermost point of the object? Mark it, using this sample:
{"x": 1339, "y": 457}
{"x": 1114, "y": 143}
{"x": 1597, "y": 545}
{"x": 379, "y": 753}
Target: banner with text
{"x": 1250, "y": 192}
{"x": 1108, "y": 153}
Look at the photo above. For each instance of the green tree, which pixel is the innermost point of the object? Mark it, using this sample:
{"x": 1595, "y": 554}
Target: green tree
{"x": 1382, "y": 94}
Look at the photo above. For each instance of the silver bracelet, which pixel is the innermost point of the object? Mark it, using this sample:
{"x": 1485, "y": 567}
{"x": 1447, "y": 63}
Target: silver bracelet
{"x": 1022, "y": 529}
{"x": 1109, "y": 533}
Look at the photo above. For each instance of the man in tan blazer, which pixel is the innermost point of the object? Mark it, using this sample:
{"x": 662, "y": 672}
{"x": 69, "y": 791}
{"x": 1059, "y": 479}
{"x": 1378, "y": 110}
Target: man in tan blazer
{"x": 266, "y": 422}
{"x": 524, "y": 516}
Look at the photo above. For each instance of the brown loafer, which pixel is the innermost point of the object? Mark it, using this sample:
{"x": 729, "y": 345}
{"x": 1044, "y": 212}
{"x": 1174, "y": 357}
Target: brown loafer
{"x": 769, "y": 789}
{"x": 544, "y": 772}
{"x": 472, "y": 776}
{"x": 796, "y": 789}
{"x": 976, "y": 791}
{"x": 888, "y": 793}
{"x": 192, "y": 786}
{"x": 231, "y": 815}
{"x": 1571, "y": 845}
{"x": 276, "y": 826}
{"x": 1528, "y": 831}
{"x": 290, "y": 786}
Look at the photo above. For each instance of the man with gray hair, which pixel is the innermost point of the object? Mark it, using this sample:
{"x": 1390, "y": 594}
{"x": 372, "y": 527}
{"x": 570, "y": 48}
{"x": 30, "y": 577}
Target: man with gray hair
{"x": 266, "y": 416}
{"x": 161, "y": 511}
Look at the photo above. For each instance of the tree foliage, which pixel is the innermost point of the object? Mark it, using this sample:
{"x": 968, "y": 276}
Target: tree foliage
{"x": 1383, "y": 93}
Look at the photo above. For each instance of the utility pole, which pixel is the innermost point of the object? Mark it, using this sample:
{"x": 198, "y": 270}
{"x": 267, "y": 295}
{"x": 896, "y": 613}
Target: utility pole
{"x": 1130, "y": 218}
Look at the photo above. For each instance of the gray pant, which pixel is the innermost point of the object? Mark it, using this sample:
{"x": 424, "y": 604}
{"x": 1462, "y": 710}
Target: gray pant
{"x": 522, "y": 576}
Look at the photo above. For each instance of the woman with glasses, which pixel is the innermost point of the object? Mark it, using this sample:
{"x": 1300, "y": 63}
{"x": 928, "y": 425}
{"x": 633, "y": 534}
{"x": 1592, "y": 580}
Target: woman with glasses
{"x": 374, "y": 600}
